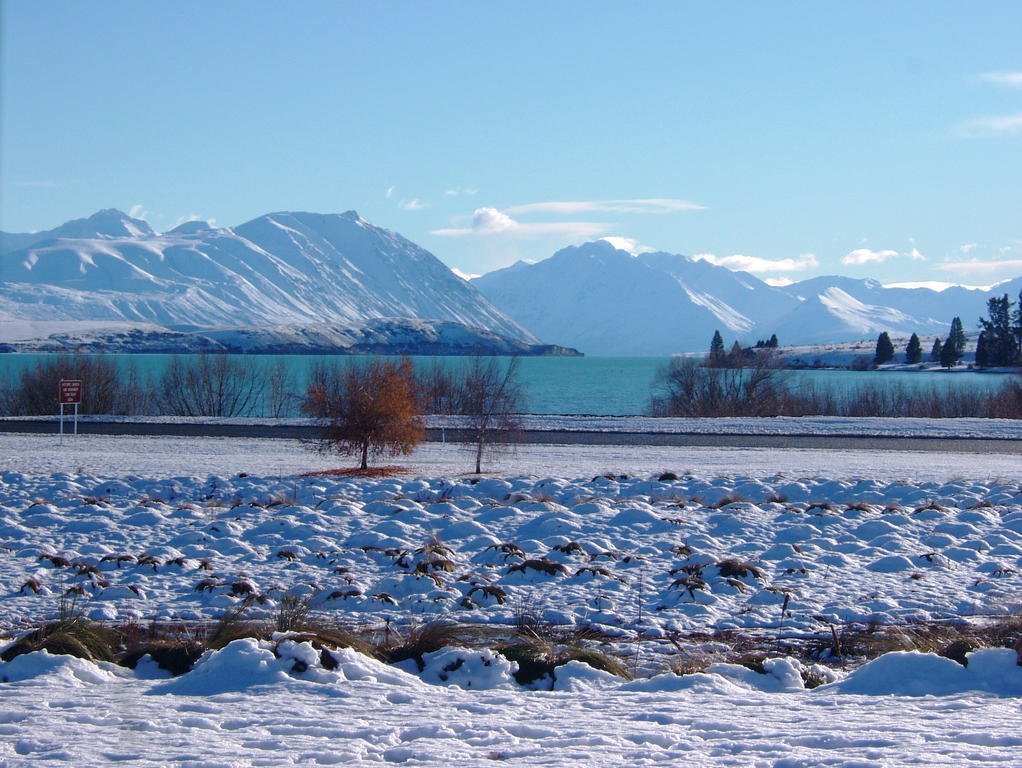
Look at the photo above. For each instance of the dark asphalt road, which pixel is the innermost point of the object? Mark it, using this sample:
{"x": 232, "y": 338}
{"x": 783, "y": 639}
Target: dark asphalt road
{"x": 560, "y": 437}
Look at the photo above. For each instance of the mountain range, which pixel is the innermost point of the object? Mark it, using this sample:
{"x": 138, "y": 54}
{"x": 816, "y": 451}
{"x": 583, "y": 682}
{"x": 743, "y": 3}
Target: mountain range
{"x": 287, "y": 271}
{"x": 334, "y": 282}
{"x": 606, "y": 301}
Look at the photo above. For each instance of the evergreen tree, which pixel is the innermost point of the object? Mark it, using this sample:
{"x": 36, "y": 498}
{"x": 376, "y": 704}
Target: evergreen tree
{"x": 935, "y": 350}
{"x": 956, "y": 338}
{"x": 773, "y": 336}
{"x": 982, "y": 358}
{"x": 736, "y": 357}
{"x": 1018, "y": 327}
{"x": 948, "y": 354}
{"x": 885, "y": 349}
{"x": 716, "y": 349}
{"x": 1001, "y": 345}
{"x": 914, "y": 350}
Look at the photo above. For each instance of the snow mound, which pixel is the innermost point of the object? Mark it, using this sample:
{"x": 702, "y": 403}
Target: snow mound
{"x": 68, "y": 669}
{"x": 911, "y": 673}
{"x": 479, "y": 669}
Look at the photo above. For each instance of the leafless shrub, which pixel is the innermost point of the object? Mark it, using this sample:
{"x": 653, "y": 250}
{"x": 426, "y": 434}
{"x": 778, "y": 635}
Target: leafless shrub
{"x": 211, "y": 385}
{"x": 686, "y": 388}
{"x": 34, "y": 392}
{"x": 493, "y": 400}
{"x": 281, "y": 398}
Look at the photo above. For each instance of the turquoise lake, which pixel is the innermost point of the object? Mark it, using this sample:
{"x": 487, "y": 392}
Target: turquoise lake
{"x": 599, "y": 386}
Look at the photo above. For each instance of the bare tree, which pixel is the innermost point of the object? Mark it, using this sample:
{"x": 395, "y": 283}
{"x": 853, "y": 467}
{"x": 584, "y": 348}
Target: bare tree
{"x": 367, "y": 409}
{"x": 34, "y": 392}
{"x": 210, "y": 385}
{"x": 437, "y": 388}
{"x": 686, "y": 388}
{"x": 280, "y": 390}
{"x": 492, "y": 399}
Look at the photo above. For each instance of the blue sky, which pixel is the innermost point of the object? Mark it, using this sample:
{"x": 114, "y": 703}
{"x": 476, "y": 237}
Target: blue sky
{"x": 792, "y": 139}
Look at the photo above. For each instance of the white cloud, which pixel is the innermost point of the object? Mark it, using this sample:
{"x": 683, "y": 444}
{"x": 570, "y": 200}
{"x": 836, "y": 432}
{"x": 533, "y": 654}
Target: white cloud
{"x": 778, "y": 282}
{"x": 992, "y": 125}
{"x": 744, "y": 263}
{"x": 646, "y": 205}
{"x": 137, "y": 211}
{"x": 487, "y": 221}
{"x": 1010, "y": 79}
{"x": 459, "y": 191}
{"x": 968, "y": 247}
{"x": 628, "y": 244}
{"x": 490, "y": 221}
{"x": 983, "y": 267}
{"x": 414, "y": 204}
{"x": 390, "y": 192}
{"x": 916, "y": 255}
{"x": 867, "y": 256}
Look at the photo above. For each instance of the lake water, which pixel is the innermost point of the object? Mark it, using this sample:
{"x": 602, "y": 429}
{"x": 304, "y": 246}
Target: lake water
{"x": 599, "y": 386}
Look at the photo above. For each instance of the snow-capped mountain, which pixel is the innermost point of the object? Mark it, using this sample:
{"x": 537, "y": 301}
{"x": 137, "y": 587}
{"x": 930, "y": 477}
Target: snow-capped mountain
{"x": 605, "y": 301}
{"x": 281, "y": 268}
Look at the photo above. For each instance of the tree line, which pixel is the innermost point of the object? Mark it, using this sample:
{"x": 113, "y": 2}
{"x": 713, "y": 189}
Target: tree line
{"x": 367, "y": 407}
{"x": 998, "y": 345}
{"x": 688, "y": 387}
{"x": 750, "y": 381}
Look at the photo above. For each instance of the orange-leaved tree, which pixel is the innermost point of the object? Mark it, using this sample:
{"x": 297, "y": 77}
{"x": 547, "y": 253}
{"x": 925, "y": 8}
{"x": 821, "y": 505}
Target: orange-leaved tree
{"x": 367, "y": 409}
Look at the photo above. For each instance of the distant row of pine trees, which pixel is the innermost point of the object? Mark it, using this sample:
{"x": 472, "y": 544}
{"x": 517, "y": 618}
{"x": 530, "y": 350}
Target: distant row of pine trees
{"x": 999, "y": 342}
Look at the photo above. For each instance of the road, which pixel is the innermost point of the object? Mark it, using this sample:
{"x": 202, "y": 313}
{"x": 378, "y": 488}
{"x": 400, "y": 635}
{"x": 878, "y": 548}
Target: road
{"x": 556, "y": 437}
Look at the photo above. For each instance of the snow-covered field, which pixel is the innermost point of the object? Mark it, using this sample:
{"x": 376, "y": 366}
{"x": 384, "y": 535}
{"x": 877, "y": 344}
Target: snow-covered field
{"x": 833, "y": 537}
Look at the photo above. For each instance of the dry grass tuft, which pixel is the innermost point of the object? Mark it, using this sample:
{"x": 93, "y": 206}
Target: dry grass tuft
{"x": 538, "y": 656}
{"x": 541, "y": 564}
{"x": 424, "y": 639}
{"x": 739, "y": 569}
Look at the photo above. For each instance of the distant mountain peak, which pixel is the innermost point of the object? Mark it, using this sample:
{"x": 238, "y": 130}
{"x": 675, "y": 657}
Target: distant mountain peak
{"x": 191, "y": 227}
{"x": 107, "y": 223}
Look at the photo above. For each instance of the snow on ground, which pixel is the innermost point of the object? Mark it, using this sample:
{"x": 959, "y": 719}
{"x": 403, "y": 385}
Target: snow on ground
{"x": 885, "y": 537}
{"x": 250, "y": 712}
{"x": 110, "y": 455}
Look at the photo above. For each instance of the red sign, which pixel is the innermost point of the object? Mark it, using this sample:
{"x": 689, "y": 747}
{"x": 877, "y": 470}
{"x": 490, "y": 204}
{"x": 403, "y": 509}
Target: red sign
{"x": 70, "y": 391}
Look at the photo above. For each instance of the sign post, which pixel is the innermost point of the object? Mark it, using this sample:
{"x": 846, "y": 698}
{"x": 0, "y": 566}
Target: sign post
{"x": 69, "y": 393}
